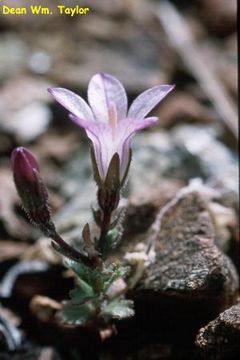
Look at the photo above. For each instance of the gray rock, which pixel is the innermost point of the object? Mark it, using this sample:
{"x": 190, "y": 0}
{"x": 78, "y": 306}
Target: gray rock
{"x": 28, "y": 104}
{"x": 191, "y": 280}
{"x": 10, "y": 337}
{"x": 220, "y": 339}
{"x": 184, "y": 153}
{"x": 217, "y": 163}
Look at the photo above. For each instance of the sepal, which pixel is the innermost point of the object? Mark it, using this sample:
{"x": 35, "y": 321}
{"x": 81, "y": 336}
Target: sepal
{"x": 125, "y": 176}
{"x": 97, "y": 215}
{"x": 112, "y": 181}
{"x": 96, "y": 173}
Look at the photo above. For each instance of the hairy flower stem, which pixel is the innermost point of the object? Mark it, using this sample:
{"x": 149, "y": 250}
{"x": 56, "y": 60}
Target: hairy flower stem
{"x": 106, "y": 221}
{"x": 67, "y": 249}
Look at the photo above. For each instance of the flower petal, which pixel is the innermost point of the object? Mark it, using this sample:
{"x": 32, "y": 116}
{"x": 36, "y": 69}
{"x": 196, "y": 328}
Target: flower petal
{"x": 72, "y": 102}
{"x": 101, "y": 138}
{"x": 126, "y": 130}
{"x": 124, "y": 153}
{"x": 98, "y": 153}
{"x": 104, "y": 89}
{"x": 128, "y": 127}
{"x": 146, "y": 101}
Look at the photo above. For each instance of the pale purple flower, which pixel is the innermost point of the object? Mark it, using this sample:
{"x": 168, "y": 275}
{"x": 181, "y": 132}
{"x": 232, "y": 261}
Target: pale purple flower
{"x": 106, "y": 120}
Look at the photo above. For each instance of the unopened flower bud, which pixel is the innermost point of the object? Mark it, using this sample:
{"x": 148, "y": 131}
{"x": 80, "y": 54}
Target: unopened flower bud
{"x": 30, "y": 187}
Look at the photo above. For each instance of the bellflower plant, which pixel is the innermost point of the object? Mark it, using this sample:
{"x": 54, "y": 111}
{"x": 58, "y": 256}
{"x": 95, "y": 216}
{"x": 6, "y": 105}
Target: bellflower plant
{"x": 108, "y": 124}
{"x": 98, "y": 296}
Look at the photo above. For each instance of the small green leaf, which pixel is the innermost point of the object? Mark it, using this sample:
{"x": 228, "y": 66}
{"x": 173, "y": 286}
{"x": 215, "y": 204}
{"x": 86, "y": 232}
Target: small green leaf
{"x": 110, "y": 240}
{"x": 78, "y": 314}
{"x": 81, "y": 293}
{"x": 94, "y": 278}
{"x": 118, "y": 309}
{"x": 79, "y": 269}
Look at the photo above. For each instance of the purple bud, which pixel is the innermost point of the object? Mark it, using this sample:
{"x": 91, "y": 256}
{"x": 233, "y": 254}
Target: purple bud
{"x": 23, "y": 165}
{"x": 30, "y": 187}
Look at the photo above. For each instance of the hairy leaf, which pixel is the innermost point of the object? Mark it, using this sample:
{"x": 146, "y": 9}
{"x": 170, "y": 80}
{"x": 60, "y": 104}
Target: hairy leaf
{"x": 81, "y": 293}
{"x": 118, "y": 309}
{"x": 78, "y": 314}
